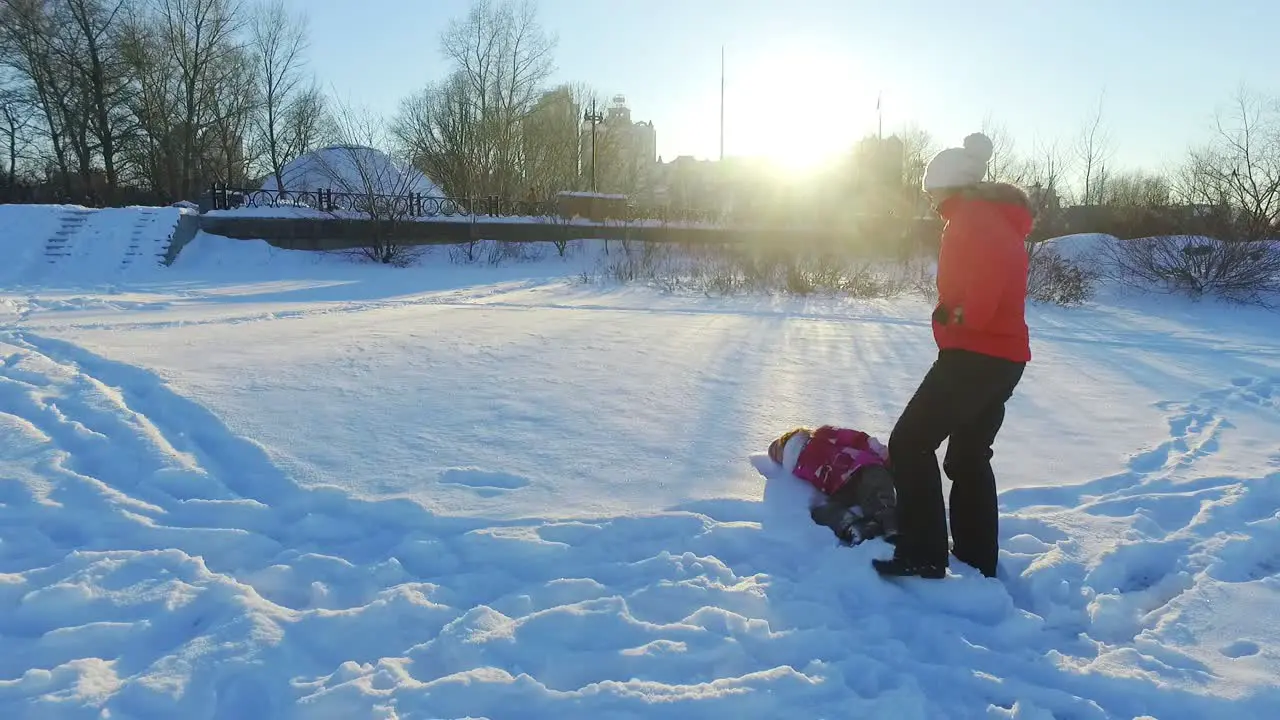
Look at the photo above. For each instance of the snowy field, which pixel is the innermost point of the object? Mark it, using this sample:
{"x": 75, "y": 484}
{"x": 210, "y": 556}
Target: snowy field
{"x": 262, "y": 484}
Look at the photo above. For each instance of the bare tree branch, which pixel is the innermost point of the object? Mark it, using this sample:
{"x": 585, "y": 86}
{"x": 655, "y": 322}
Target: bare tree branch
{"x": 1239, "y": 169}
{"x": 26, "y": 46}
{"x": 89, "y": 48}
{"x": 918, "y": 148}
{"x": 553, "y": 140}
{"x": 1094, "y": 150}
{"x": 1005, "y": 165}
{"x": 201, "y": 38}
{"x": 378, "y": 185}
{"x": 501, "y": 58}
{"x": 17, "y": 116}
{"x": 279, "y": 44}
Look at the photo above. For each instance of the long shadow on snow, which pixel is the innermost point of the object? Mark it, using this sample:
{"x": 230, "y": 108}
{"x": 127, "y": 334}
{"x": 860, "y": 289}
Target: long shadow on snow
{"x": 357, "y": 291}
{"x": 339, "y": 277}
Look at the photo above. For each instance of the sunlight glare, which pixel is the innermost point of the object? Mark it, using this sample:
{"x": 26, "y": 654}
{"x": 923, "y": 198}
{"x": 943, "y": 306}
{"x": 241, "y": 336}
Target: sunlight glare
{"x": 799, "y": 109}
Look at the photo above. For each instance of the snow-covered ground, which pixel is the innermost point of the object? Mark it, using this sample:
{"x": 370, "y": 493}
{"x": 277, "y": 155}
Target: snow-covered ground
{"x": 264, "y": 484}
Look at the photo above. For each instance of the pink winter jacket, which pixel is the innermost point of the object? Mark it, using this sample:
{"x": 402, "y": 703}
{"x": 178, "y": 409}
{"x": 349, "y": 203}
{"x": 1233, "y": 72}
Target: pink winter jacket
{"x": 833, "y": 454}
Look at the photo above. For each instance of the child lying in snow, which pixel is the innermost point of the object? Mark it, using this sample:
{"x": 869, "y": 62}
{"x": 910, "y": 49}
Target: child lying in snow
{"x": 849, "y": 468}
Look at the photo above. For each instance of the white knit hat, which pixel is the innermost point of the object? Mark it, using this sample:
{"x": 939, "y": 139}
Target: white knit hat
{"x": 958, "y": 167}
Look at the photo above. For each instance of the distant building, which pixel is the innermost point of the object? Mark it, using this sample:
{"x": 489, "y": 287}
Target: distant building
{"x": 625, "y": 152}
{"x": 877, "y": 178}
{"x": 878, "y": 163}
{"x": 552, "y": 144}
{"x": 687, "y": 184}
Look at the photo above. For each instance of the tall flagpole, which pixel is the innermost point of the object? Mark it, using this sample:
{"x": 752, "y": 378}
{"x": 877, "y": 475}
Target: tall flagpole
{"x": 879, "y": 117}
{"x": 722, "y": 103}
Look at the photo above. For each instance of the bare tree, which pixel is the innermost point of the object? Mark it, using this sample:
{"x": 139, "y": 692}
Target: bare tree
{"x": 159, "y": 93}
{"x": 1240, "y": 168}
{"x": 17, "y": 115}
{"x": 553, "y": 139}
{"x": 1139, "y": 204}
{"x": 200, "y": 39}
{"x": 1005, "y": 164}
{"x": 231, "y": 110}
{"x": 279, "y": 46}
{"x": 306, "y": 121}
{"x": 1093, "y": 149}
{"x": 150, "y": 149}
{"x": 26, "y": 47}
{"x": 918, "y": 148}
{"x": 439, "y": 131}
{"x": 1045, "y": 167}
{"x": 1043, "y": 175}
{"x": 502, "y": 57}
{"x": 470, "y": 131}
{"x": 1137, "y": 189}
{"x": 89, "y": 48}
{"x": 59, "y": 55}
{"x": 1051, "y": 277}
{"x": 375, "y": 183}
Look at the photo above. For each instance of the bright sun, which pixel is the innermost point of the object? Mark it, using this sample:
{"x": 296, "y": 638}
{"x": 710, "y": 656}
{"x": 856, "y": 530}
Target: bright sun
{"x": 798, "y": 108}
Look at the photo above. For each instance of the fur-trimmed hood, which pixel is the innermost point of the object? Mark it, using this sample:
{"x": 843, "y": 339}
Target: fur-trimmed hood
{"x": 997, "y": 192}
{"x": 1003, "y": 200}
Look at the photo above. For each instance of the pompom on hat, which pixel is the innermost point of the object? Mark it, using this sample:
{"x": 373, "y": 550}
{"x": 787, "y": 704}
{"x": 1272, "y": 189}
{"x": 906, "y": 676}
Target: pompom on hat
{"x": 959, "y": 167}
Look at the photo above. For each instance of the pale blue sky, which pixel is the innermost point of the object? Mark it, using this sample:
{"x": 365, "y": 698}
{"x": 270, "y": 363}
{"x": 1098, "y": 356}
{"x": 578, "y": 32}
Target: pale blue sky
{"x": 1037, "y": 67}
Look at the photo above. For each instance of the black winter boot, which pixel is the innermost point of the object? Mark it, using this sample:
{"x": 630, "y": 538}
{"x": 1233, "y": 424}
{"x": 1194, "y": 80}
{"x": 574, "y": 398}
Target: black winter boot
{"x": 900, "y": 566}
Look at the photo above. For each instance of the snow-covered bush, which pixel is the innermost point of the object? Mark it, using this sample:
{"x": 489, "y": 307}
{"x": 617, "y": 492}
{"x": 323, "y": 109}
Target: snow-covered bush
{"x": 1054, "y": 278}
{"x": 496, "y": 252}
{"x": 735, "y": 269}
{"x": 1243, "y": 271}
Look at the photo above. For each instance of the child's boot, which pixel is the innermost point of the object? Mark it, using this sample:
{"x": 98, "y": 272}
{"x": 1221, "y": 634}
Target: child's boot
{"x": 842, "y": 521}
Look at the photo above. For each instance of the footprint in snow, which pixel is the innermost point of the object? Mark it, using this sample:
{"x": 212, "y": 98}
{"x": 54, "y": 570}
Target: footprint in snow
{"x": 486, "y": 483}
{"x": 1240, "y": 649}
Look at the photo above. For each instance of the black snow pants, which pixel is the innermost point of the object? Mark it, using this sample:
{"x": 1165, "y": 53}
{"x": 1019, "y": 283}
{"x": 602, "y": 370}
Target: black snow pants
{"x": 962, "y": 398}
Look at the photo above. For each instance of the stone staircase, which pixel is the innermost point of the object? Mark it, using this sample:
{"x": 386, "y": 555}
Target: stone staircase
{"x": 59, "y": 245}
{"x": 137, "y": 238}
{"x": 113, "y": 242}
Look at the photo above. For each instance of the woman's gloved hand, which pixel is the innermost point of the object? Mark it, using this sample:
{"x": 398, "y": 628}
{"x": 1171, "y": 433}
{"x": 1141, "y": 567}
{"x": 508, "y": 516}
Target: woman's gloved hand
{"x": 946, "y": 316}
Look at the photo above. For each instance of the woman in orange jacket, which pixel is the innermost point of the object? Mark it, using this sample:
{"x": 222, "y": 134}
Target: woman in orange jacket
{"x": 980, "y": 328}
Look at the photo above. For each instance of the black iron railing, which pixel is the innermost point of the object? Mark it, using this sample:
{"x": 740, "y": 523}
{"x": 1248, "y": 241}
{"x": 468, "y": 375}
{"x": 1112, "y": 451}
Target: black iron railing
{"x": 408, "y": 205}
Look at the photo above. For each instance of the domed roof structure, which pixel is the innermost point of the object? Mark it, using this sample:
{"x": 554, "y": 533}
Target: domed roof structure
{"x": 352, "y": 169}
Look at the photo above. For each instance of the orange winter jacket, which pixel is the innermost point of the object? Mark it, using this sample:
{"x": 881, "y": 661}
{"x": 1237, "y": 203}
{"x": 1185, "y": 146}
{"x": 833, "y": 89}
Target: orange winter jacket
{"x": 982, "y": 273}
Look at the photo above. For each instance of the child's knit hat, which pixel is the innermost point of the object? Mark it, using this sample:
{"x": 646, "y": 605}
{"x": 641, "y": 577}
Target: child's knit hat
{"x": 959, "y": 167}
{"x": 775, "y": 448}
